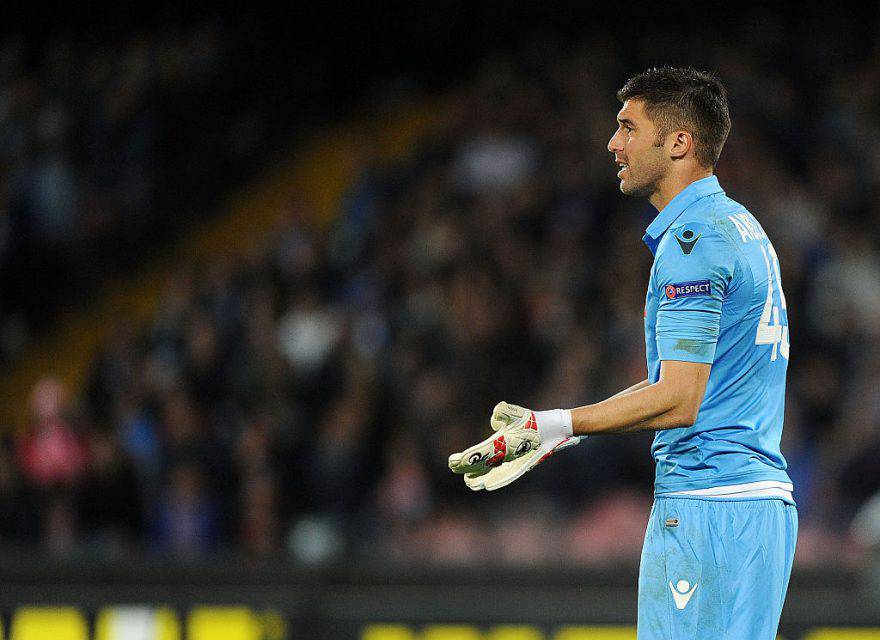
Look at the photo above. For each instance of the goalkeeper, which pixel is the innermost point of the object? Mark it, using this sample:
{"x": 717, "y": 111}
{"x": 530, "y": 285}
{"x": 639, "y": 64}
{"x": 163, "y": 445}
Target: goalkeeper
{"x": 721, "y": 534}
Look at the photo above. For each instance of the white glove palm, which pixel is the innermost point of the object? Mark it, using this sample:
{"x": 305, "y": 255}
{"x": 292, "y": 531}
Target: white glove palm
{"x": 522, "y": 440}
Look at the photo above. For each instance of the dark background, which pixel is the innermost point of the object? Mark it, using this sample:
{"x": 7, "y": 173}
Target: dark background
{"x": 297, "y": 405}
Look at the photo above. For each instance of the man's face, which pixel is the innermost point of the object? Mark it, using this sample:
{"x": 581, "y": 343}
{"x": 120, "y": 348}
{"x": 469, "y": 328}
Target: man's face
{"x": 634, "y": 145}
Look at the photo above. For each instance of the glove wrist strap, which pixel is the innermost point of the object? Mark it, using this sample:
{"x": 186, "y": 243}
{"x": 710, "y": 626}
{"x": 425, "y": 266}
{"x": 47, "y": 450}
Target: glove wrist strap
{"x": 555, "y": 423}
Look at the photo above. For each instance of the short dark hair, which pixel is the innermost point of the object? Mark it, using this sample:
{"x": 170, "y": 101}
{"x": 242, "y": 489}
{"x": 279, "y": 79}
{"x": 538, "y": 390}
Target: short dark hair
{"x": 684, "y": 98}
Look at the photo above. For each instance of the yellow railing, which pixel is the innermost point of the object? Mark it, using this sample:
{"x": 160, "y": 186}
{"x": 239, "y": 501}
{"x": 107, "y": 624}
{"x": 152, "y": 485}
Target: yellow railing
{"x": 246, "y": 623}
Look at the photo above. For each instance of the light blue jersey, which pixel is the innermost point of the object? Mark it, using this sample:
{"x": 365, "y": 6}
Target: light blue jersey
{"x": 715, "y": 296}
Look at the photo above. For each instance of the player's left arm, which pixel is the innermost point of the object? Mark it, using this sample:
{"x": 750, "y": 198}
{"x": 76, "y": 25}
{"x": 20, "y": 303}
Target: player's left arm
{"x": 524, "y": 438}
{"x": 693, "y": 272}
{"x": 673, "y": 401}
{"x": 691, "y": 280}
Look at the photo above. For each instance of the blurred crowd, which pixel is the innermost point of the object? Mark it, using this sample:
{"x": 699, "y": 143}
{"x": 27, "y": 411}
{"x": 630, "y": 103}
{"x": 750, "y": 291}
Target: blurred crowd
{"x": 303, "y": 402}
{"x": 103, "y": 145}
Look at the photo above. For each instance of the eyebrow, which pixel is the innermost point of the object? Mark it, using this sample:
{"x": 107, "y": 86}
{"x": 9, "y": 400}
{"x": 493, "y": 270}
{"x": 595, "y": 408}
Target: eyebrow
{"x": 627, "y": 122}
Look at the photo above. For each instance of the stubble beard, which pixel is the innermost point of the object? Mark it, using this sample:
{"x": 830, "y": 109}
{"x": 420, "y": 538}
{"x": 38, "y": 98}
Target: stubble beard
{"x": 646, "y": 187}
{"x": 643, "y": 190}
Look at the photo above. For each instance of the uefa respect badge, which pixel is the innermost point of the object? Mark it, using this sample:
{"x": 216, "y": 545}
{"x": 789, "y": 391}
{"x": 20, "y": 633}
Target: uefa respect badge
{"x": 691, "y": 289}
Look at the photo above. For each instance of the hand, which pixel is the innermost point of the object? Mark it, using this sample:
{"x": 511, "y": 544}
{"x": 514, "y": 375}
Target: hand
{"x": 523, "y": 439}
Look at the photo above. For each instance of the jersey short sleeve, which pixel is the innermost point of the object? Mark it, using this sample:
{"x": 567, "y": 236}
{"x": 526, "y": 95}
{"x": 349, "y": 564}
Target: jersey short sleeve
{"x": 693, "y": 269}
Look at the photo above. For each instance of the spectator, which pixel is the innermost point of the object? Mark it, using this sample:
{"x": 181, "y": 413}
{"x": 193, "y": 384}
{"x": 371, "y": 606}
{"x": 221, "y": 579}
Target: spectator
{"x": 186, "y": 522}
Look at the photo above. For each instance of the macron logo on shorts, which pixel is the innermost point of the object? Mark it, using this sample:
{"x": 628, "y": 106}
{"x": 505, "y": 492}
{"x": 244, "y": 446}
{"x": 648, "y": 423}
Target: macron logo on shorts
{"x": 681, "y": 593}
{"x": 688, "y": 289}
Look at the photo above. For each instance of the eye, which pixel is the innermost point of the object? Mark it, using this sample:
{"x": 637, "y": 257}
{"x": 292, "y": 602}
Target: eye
{"x": 627, "y": 129}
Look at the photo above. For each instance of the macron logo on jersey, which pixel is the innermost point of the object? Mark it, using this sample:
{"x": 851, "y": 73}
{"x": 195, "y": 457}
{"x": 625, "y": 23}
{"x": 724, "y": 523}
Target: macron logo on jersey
{"x": 688, "y": 289}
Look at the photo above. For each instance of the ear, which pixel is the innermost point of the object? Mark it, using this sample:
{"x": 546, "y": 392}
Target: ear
{"x": 679, "y": 143}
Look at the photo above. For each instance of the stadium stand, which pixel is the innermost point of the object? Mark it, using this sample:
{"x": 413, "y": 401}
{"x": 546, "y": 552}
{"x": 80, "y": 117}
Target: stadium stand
{"x": 248, "y": 387}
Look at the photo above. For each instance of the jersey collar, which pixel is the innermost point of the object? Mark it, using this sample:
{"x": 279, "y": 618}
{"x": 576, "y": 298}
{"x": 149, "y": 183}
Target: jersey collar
{"x": 685, "y": 198}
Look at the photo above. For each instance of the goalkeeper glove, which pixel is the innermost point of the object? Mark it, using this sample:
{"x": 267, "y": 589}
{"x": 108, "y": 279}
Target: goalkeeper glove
{"x": 523, "y": 439}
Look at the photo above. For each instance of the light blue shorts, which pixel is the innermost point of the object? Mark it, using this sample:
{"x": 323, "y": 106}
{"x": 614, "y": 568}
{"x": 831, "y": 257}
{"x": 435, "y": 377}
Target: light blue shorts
{"x": 715, "y": 568}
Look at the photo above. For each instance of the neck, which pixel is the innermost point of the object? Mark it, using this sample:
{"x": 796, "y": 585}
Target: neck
{"x": 674, "y": 184}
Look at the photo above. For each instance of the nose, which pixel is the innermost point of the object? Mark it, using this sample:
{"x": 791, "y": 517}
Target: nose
{"x": 613, "y": 144}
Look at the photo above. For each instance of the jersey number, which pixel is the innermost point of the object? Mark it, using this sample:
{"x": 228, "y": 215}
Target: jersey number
{"x": 770, "y": 330}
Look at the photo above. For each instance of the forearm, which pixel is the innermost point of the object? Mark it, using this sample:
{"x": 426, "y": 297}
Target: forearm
{"x": 639, "y": 385}
{"x": 642, "y": 407}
